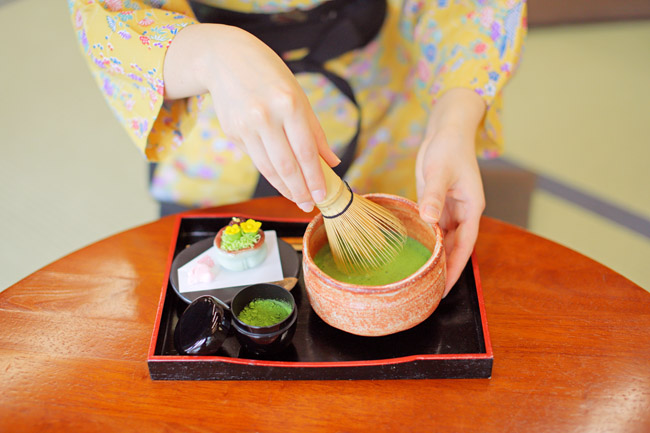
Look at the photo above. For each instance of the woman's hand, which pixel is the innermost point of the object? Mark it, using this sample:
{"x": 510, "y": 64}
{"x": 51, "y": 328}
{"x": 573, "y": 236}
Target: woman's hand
{"x": 450, "y": 191}
{"x": 258, "y": 102}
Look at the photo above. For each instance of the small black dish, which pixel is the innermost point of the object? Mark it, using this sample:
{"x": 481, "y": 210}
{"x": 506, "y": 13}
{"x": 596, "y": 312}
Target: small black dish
{"x": 264, "y": 340}
{"x": 206, "y": 323}
{"x": 202, "y": 328}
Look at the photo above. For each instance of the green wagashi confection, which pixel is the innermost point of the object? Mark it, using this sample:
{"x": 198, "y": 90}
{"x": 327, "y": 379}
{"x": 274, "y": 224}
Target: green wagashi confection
{"x": 240, "y": 235}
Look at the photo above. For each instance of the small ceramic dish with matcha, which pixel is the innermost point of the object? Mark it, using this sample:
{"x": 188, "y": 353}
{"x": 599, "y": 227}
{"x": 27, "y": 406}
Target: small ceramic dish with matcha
{"x": 262, "y": 316}
{"x": 394, "y": 298}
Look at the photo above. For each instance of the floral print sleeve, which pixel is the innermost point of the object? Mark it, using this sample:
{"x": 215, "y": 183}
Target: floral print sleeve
{"x": 473, "y": 44}
{"x": 124, "y": 43}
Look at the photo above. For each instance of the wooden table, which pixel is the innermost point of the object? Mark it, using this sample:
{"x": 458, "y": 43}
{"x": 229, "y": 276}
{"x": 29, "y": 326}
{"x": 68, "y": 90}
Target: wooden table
{"x": 571, "y": 342}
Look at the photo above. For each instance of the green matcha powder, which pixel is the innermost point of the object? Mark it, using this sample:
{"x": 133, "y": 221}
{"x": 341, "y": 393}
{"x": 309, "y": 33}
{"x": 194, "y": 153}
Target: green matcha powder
{"x": 265, "y": 312}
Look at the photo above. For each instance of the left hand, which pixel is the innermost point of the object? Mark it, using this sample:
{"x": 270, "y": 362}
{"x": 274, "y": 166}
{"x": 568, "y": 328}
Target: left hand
{"x": 450, "y": 190}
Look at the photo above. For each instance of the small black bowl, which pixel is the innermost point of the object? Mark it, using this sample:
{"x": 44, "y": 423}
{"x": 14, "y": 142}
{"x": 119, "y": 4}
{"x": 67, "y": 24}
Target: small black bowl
{"x": 264, "y": 340}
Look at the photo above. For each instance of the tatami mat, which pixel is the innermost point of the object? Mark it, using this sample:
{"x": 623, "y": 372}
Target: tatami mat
{"x": 576, "y": 111}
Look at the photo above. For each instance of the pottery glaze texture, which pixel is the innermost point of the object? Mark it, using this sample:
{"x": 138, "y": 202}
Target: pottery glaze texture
{"x": 378, "y": 310}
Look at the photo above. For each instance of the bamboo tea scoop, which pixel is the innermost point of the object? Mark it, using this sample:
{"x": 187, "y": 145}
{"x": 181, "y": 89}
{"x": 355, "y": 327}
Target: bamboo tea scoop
{"x": 288, "y": 283}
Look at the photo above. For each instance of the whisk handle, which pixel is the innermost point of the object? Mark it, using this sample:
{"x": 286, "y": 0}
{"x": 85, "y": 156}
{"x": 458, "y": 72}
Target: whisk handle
{"x": 334, "y": 186}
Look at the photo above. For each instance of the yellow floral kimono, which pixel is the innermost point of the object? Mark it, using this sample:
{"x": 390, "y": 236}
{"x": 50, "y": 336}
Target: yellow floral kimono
{"x": 424, "y": 48}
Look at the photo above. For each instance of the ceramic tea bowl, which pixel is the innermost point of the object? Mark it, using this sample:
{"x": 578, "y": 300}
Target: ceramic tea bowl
{"x": 377, "y": 310}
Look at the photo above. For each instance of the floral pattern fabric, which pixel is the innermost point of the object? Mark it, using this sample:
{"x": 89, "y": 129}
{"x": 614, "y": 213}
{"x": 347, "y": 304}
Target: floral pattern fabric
{"x": 424, "y": 48}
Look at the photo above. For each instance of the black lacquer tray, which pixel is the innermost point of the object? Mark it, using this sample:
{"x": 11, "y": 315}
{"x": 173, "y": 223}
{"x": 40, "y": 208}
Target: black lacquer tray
{"x": 452, "y": 343}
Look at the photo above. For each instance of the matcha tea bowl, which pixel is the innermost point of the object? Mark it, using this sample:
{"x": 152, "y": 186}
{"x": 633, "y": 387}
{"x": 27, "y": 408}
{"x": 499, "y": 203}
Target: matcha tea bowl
{"x": 394, "y": 298}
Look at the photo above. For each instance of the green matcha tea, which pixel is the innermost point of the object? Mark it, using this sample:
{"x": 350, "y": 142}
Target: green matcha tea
{"x": 265, "y": 312}
{"x": 412, "y": 257}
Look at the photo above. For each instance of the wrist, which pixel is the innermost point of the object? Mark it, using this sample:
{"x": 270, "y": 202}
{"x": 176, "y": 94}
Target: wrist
{"x": 214, "y": 43}
{"x": 458, "y": 111}
{"x": 191, "y": 60}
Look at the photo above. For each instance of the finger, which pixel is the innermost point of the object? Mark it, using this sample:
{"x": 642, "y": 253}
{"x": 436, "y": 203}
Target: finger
{"x": 303, "y": 143}
{"x": 459, "y": 245}
{"x": 321, "y": 143}
{"x": 286, "y": 166}
{"x": 419, "y": 177}
{"x": 256, "y": 151}
{"x": 436, "y": 180}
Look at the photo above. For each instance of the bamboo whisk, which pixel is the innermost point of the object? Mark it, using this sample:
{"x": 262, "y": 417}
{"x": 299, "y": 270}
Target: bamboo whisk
{"x": 362, "y": 234}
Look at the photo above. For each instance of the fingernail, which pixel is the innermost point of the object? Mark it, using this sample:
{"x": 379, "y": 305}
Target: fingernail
{"x": 306, "y": 206}
{"x": 318, "y": 195}
{"x": 432, "y": 212}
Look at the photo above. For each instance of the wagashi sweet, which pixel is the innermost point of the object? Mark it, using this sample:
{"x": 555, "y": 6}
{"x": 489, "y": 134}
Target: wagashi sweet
{"x": 241, "y": 244}
{"x": 202, "y": 272}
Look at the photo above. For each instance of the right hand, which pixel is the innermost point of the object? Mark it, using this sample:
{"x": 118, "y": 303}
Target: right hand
{"x": 258, "y": 102}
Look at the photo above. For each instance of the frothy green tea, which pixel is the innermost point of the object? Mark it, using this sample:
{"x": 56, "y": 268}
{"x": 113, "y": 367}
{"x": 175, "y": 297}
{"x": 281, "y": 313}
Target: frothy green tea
{"x": 410, "y": 259}
{"x": 265, "y": 312}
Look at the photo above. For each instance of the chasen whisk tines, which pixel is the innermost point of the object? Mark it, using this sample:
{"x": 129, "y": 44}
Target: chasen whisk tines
{"x": 362, "y": 234}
